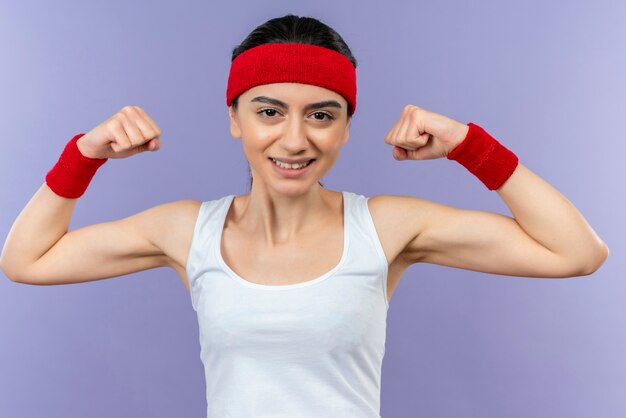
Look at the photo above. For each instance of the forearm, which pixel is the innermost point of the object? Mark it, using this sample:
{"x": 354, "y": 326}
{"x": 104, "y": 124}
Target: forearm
{"x": 551, "y": 219}
{"x": 42, "y": 222}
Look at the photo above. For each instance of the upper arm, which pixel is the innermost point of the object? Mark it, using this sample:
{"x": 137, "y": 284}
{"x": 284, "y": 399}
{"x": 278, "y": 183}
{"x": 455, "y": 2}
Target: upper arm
{"x": 109, "y": 249}
{"x": 474, "y": 240}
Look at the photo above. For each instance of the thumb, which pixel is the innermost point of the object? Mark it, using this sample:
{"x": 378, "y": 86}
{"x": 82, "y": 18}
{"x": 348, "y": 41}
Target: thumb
{"x": 148, "y": 146}
{"x": 399, "y": 153}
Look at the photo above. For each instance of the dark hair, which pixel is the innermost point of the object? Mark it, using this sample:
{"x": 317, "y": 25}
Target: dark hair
{"x": 294, "y": 29}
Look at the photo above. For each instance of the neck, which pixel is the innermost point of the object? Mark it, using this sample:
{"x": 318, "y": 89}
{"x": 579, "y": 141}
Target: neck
{"x": 281, "y": 218}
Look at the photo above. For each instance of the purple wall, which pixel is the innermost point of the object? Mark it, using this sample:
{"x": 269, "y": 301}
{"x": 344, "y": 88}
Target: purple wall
{"x": 545, "y": 78}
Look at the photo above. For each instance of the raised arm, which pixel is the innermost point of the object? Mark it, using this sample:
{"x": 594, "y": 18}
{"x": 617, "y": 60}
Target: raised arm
{"x": 40, "y": 250}
{"x": 547, "y": 236}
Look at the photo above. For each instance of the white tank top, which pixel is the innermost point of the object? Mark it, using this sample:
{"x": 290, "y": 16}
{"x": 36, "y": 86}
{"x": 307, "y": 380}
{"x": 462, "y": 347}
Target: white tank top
{"x": 311, "y": 349}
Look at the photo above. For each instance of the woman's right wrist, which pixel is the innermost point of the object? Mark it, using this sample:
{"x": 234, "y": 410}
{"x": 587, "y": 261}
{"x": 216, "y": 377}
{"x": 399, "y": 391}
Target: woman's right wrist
{"x": 73, "y": 172}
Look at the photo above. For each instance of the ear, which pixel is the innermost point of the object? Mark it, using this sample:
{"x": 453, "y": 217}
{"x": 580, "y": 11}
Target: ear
{"x": 235, "y": 130}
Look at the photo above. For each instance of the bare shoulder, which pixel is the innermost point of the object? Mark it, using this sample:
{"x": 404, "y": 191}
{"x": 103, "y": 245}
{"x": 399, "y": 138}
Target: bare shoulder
{"x": 400, "y": 219}
{"x": 174, "y": 224}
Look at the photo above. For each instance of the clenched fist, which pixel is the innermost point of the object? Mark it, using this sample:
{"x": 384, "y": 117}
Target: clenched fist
{"x": 423, "y": 135}
{"x": 128, "y": 132}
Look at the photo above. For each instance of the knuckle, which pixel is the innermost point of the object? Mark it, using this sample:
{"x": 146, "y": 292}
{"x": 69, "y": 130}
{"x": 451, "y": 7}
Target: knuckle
{"x": 121, "y": 117}
{"x": 411, "y": 108}
{"x": 116, "y": 123}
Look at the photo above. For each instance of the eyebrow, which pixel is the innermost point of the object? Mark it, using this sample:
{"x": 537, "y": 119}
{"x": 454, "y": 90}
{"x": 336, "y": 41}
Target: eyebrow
{"x": 280, "y": 103}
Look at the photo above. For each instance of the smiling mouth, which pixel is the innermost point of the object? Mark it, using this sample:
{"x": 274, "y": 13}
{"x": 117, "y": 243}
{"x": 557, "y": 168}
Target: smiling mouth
{"x": 291, "y": 166}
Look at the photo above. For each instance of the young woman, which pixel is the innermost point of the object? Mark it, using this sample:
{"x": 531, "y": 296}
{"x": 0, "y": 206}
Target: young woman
{"x": 292, "y": 281}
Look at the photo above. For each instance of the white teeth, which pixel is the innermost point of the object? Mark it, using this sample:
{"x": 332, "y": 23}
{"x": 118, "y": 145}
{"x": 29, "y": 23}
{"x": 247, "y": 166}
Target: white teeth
{"x": 291, "y": 166}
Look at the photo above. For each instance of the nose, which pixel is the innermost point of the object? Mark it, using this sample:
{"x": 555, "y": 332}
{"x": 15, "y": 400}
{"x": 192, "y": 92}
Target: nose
{"x": 294, "y": 138}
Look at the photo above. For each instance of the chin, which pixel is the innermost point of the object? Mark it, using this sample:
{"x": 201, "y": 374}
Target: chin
{"x": 294, "y": 189}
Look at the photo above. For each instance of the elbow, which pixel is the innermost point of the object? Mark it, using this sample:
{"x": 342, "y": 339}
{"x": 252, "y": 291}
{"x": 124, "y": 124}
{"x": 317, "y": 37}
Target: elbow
{"x": 11, "y": 275}
{"x": 6, "y": 272}
{"x": 603, "y": 255}
{"x": 14, "y": 274}
{"x": 595, "y": 262}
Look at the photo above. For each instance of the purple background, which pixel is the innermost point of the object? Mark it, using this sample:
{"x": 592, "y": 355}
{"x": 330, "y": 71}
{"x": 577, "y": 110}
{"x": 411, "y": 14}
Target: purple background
{"x": 545, "y": 78}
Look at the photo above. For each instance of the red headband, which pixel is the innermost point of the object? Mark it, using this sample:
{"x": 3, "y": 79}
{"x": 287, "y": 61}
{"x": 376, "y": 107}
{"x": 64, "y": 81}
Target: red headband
{"x": 292, "y": 63}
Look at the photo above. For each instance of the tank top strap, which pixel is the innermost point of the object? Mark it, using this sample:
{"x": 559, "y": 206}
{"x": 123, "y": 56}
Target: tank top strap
{"x": 364, "y": 233}
{"x": 210, "y": 219}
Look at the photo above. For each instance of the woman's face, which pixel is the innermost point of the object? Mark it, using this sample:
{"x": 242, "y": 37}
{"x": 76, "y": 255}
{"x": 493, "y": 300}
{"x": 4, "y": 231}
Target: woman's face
{"x": 288, "y": 121}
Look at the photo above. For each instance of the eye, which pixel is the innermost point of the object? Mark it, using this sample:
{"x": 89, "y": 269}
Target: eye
{"x": 328, "y": 115}
{"x": 269, "y": 113}
{"x": 263, "y": 113}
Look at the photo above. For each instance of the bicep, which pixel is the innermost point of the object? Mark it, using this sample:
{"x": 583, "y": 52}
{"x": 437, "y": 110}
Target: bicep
{"x": 102, "y": 250}
{"x": 482, "y": 241}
